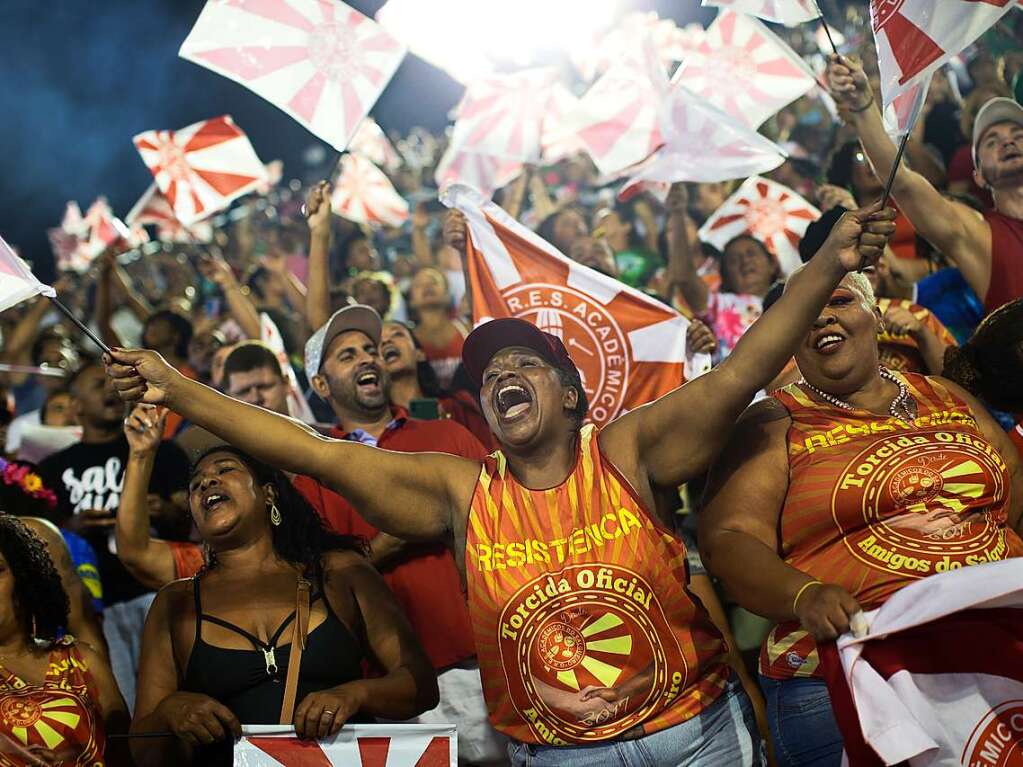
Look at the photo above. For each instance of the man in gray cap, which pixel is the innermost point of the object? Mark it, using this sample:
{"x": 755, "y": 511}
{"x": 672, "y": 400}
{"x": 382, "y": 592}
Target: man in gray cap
{"x": 343, "y": 363}
{"x": 987, "y": 248}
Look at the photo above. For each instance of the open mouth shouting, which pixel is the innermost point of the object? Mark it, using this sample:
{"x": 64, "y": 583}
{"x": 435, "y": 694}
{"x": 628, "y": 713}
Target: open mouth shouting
{"x": 512, "y": 400}
{"x": 368, "y": 381}
{"x": 390, "y": 353}
{"x": 213, "y": 499}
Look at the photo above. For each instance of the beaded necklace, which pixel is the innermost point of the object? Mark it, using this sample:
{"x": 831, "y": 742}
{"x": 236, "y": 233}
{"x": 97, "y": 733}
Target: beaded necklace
{"x": 903, "y": 407}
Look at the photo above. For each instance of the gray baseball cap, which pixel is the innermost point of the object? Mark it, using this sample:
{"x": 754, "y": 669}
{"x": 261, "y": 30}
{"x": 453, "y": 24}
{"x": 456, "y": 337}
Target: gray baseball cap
{"x": 357, "y": 317}
{"x": 997, "y": 110}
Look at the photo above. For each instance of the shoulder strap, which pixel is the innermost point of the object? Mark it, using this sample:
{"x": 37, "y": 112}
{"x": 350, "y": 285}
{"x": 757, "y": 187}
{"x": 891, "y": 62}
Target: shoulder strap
{"x": 300, "y": 629}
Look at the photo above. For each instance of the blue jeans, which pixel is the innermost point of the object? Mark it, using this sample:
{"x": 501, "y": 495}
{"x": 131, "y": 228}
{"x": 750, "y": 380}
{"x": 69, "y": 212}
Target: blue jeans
{"x": 723, "y": 735}
{"x": 803, "y": 726}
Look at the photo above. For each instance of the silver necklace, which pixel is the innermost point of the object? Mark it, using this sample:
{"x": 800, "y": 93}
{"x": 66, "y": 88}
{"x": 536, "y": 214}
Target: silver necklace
{"x": 903, "y": 407}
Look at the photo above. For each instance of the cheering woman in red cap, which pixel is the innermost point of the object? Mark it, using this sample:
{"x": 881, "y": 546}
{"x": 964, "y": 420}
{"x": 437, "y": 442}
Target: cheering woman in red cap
{"x": 592, "y": 650}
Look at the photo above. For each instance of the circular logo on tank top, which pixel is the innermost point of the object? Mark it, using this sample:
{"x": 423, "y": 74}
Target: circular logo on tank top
{"x": 49, "y": 718}
{"x": 591, "y": 335}
{"x": 997, "y": 740}
{"x": 582, "y": 655}
{"x": 923, "y": 503}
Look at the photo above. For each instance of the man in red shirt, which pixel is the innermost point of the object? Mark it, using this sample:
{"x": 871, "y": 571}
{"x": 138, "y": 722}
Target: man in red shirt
{"x": 345, "y": 368}
{"x": 987, "y": 248}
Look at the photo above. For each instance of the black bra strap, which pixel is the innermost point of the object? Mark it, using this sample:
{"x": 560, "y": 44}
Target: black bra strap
{"x": 200, "y": 616}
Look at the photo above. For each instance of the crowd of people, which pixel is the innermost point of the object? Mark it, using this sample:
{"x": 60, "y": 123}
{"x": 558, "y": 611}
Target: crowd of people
{"x": 398, "y": 517}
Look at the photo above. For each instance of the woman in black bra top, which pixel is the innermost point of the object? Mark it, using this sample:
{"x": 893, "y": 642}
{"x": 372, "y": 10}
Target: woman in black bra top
{"x": 216, "y": 647}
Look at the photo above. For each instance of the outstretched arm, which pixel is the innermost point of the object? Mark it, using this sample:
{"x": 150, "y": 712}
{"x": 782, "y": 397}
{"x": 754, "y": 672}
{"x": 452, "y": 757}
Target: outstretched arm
{"x": 699, "y": 415}
{"x": 317, "y": 297}
{"x": 956, "y": 230}
{"x": 408, "y": 495}
{"x": 682, "y": 272}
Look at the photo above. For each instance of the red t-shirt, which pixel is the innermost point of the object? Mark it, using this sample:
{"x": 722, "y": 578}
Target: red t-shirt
{"x": 427, "y": 585}
{"x": 462, "y": 409}
{"x": 960, "y": 168}
{"x": 1006, "y": 260}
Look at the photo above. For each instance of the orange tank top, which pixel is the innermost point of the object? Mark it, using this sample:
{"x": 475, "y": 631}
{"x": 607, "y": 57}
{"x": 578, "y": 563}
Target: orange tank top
{"x": 584, "y": 626}
{"x": 61, "y": 715}
{"x": 875, "y": 503}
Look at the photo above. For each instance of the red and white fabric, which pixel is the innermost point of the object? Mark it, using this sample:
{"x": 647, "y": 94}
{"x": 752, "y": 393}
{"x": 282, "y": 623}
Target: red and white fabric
{"x": 901, "y": 115}
{"x": 617, "y": 119}
{"x": 69, "y": 241}
{"x": 105, "y": 229}
{"x": 365, "y": 195}
{"x": 701, "y": 144}
{"x": 322, "y": 62}
{"x": 557, "y": 140}
{"x": 502, "y": 115}
{"x": 270, "y": 334}
{"x": 274, "y": 174}
{"x": 154, "y": 209}
{"x": 629, "y": 348}
{"x": 744, "y": 69}
{"x": 369, "y": 141}
{"x": 767, "y": 210}
{"x": 480, "y": 171}
{"x": 916, "y": 37}
{"x": 788, "y": 12}
{"x": 623, "y": 40}
{"x": 938, "y": 679}
{"x": 17, "y": 283}
{"x": 203, "y": 167}
{"x": 356, "y": 745}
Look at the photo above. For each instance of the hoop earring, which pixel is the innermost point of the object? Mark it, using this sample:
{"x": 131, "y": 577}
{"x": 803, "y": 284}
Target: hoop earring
{"x": 275, "y": 515}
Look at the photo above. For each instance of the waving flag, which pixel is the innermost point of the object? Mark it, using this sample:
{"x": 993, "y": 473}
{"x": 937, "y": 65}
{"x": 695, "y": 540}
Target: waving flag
{"x": 363, "y": 194}
{"x": 17, "y": 283}
{"x": 153, "y": 208}
{"x": 480, "y": 171}
{"x": 744, "y": 69}
{"x": 270, "y": 334}
{"x": 356, "y": 745}
{"x": 916, "y": 37}
{"x": 320, "y": 61}
{"x": 201, "y": 168}
{"x": 69, "y": 240}
{"x": 369, "y": 141}
{"x": 702, "y": 144}
{"x": 105, "y": 229}
{"x": 501, "y": 115}
{"x": 557, "y": 140}
{"x": 624, "y": 40}
{"x": 787, "y": 12}
{"x": 617, "y": 119}
{"x": 938, "y": 679}
{"x": 629, "y": 348}
{"x": 767, "y": 210}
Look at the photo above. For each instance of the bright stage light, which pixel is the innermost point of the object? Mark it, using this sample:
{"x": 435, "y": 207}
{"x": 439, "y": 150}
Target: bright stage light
{"x": 468, "y": 38}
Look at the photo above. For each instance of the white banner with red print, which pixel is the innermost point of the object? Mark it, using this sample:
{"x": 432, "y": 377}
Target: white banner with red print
{"x": 938, "y": 679}
{"x": 356, "y": 745}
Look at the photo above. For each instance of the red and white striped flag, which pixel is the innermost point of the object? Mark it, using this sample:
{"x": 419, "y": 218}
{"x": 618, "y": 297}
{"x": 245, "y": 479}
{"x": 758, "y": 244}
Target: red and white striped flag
{"x": 787, "y": 12}
{"x": 480, "y": 171}
{"x": 203, "y": 167}
{"x": 154, "y": 209}
{"x": 371, "y": 142}
{"x": 769, "y": 211}
{"x": 356, "y": 745}
{"x": 17, "y": 283}
{"x": 629, "y": 348}
{"x": 746, "y": 70}
{"x": 363, "y": 194}
{"x": 938, "y": 679}
{"x": 916, "y": 37}
{"x": 105, "y": 229}
{"x": 323, "y": 63}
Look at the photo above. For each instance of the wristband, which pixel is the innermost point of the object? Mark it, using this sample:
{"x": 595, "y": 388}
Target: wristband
{"x": 800, "y": 593}
{"x": 864, "y": 108}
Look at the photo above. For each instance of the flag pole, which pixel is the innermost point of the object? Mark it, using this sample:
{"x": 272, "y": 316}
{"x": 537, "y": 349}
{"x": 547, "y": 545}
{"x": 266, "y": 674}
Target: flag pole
{"x": 81, "y": 325}
{"x": 827, "y": 29}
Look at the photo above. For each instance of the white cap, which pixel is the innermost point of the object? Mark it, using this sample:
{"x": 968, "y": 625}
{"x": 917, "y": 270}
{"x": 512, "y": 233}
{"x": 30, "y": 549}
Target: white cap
{"x": 357, "y": 317}
{"x": 997, "y": 110}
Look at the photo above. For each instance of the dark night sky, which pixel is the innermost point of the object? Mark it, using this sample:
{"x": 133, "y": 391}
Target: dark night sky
{"x": 80, "y": 78}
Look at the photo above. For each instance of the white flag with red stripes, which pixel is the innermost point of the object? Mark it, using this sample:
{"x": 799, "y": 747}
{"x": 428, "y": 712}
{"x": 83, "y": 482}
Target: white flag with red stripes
{"x": 365, "y": 195}
{"x": 17, "y": 283}
{"x": 916, "y": 37}
{"x": 938, "y": 679}
{"x": 629, "y": 348}
{"x": 356, "y": 745}
{"x": 787, "y": 12}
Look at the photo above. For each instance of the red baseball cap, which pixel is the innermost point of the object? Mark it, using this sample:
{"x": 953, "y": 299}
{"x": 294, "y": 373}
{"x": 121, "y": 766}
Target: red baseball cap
{"x": 491, "y": 337}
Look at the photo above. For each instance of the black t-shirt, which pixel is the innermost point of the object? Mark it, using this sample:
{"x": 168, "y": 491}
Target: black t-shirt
{"x": 93, "y": 476}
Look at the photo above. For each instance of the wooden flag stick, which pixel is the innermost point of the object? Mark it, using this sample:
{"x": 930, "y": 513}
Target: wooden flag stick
{"x": 81, "y": 325}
